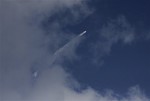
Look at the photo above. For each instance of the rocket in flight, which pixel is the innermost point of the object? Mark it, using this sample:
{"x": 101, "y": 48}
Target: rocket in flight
{"x": 82, "y": 33}
{"x": 58, "y": 52}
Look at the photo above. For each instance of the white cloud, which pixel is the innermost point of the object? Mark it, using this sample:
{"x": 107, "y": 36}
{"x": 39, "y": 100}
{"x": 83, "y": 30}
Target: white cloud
{"x": 25, "y": 45}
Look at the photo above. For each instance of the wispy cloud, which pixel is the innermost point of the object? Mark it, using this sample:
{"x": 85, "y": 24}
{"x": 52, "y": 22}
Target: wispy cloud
{"x": 26, "y": 47}
{"x": 114, "y": 31}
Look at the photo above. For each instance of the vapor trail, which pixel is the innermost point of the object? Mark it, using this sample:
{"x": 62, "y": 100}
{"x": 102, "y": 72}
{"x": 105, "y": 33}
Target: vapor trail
{"x": 69, "y": 43}
{"x": 58, "y": 52}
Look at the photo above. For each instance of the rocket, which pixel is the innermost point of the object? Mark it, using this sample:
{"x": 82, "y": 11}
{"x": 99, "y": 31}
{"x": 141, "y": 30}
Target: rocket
{"x": 82, "y": 33}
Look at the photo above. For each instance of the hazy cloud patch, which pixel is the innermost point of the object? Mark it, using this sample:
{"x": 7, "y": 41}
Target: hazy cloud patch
{"x": 114, "y": 31}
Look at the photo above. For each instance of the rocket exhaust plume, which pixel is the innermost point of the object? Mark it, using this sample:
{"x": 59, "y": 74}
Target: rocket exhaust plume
{"x": 58, "y": 52}
{"x": 72, "y": 41}
{"x": 69, "y": 43}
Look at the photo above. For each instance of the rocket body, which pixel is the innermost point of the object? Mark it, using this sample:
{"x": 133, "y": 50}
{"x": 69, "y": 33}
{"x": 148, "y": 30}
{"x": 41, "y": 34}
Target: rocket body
{"x": 82, "y": 33}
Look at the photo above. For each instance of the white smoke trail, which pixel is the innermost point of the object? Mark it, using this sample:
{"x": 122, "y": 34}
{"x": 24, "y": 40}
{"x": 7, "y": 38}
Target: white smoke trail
{"x": 72, "y": 42}
{"x": 59, "y": 52}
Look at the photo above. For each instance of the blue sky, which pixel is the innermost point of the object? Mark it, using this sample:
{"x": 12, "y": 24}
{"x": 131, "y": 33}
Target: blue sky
{"x": 126, "y": 64}
{"x": 44, "y": 57}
